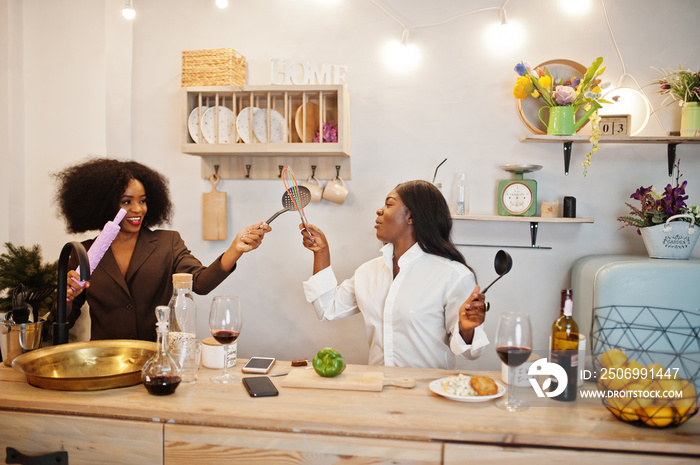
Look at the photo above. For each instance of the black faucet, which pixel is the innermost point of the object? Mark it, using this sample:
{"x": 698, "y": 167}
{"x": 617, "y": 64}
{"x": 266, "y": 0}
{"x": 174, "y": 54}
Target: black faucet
{"x": 60, "y": 325}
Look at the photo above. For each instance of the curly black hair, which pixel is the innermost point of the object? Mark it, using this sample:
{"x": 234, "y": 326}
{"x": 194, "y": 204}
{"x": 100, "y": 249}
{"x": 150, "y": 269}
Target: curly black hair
{"x": 89, "y": 193}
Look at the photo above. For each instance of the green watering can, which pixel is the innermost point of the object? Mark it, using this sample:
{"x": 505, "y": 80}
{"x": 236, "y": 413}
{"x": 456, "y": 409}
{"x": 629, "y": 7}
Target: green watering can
{"x": 561, "y": 119}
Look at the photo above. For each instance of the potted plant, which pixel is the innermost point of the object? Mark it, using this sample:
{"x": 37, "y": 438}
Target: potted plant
{"x": 564, "y": 98}
{"x": 21, "y": 266}
{"x": 683, "y": 86}
{"x": 654, "y": 219}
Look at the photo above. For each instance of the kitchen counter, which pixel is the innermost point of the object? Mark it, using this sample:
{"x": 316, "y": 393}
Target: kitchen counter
{"x": 398, "y": 425}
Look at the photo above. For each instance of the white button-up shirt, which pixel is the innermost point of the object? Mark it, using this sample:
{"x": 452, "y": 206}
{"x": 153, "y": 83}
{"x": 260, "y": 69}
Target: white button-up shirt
{"x": 411, "y": 320}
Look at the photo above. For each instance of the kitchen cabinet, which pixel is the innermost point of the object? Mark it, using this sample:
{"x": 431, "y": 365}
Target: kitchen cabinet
{"x": 256, "y": 144}
{"x": 185, "y": 445}
{"x": 207, "y": 423}
{"x": 87, "y": 440}
{"x": 534, "y": 222}
{"x": 458, "y": 454}
{"x": 670, "y": 141}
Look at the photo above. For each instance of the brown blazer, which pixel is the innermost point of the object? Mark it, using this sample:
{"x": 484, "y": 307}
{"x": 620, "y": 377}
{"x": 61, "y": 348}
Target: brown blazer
{"x": 124, "y": 307}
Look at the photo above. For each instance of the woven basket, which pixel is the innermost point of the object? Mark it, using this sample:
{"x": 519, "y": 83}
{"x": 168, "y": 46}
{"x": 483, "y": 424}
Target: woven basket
{"x": 674, "y": 240}
{"x": 213, "y": 67}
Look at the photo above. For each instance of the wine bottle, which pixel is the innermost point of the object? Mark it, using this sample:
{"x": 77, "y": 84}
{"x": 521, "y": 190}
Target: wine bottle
{"x": 564, "y": 350}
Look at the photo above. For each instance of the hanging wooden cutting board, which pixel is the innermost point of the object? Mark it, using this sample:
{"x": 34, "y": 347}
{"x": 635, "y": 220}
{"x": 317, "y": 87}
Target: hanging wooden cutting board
{"x": 214, "y": 212}
{"x": 347, "y": 381}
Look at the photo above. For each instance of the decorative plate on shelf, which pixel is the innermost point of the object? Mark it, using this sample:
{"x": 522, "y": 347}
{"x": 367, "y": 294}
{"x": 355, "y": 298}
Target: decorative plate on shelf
{"x": 529, "y": 108}
{"x": 208, "y": 125}
{"x": 312, "y": 123}
{"x": 193, "y": 123}
{"x": 439, "y": 387}
{"x": 243, "y": 123}
{"x": 277, "y": 126}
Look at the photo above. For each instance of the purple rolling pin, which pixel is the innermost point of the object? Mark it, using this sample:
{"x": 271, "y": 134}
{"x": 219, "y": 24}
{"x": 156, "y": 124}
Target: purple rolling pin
{"x": 104, "y": 240}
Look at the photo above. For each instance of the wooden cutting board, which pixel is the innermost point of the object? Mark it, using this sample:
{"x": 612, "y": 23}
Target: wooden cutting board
{"x": 347, "y": 381}
{"x": 214, "y": 212}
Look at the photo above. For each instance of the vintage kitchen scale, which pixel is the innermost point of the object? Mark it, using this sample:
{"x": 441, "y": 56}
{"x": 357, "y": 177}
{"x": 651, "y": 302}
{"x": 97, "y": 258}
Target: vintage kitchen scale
{"x": 518, "y": 197}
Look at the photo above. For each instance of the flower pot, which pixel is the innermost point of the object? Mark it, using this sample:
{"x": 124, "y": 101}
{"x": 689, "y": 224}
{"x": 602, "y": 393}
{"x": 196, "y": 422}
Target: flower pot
{"x": 674, "y": 239}
{"x": 562, "y": 121}
{"x": 690, "y": 119}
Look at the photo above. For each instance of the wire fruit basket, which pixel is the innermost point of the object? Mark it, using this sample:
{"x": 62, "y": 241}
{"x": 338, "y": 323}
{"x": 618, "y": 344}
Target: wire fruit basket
{"x": 647, "y": 360}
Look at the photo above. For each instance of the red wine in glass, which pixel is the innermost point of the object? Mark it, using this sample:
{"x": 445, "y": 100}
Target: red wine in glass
{"x": 225, "y": 337}
{"x": 513, "y": 346}
{"x": 225, "y": 322}
{"x": 513, "y": 356}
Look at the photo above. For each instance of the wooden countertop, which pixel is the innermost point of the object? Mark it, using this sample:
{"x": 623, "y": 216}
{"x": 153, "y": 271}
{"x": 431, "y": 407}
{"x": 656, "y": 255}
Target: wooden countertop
{"x": 410, "y": 414}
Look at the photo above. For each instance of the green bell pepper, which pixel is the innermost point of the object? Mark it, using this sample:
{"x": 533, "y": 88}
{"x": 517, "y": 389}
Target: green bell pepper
{"x": 328, "y": 362}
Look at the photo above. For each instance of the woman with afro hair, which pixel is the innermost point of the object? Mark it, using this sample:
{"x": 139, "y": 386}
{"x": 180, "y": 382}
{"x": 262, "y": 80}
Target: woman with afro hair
{"x": 135, "y": 274}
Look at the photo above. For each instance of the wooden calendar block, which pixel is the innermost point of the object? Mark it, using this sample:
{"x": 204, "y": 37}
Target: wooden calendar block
{"x": 615, "y": 125}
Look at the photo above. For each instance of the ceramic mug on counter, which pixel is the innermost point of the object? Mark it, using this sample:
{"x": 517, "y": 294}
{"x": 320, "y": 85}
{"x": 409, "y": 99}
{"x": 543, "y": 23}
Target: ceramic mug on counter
{"x": 314, "y": 186}
{"x": 213, "y": 354}
{"x": 335, "y": 190}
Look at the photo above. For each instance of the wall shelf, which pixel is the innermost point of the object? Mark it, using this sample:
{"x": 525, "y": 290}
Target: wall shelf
{"x": 532, "y": 220}
{"x": 304, "y": 110}
{"x": 670, "y": 141}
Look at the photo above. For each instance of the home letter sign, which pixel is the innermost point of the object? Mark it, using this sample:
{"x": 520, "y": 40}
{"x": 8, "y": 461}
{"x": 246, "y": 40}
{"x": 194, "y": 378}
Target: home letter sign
{"x": 298, "y": 72}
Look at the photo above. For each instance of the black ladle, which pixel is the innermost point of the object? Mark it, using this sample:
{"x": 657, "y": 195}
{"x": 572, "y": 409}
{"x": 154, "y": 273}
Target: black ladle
{"x": 502, "y": 264}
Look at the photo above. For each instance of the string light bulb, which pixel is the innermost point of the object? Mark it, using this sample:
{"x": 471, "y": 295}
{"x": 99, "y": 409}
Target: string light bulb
{"x": 400, "y": 56}
{"x": 222, "y": 3}
{"x": 504, "y": 36}
{"x": 128, "y": 11}
{"x": 575, "y": 7}
{"x": 503, "y": 16}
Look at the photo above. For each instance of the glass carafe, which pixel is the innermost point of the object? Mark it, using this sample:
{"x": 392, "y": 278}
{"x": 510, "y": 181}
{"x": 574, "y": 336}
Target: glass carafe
{"x": 160, "y": 374}
{"x": 183, "y": 310}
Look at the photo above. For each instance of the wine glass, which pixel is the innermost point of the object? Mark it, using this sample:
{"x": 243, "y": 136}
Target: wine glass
{"x": 225, "y": 321}
{"x": 513, "y": 345}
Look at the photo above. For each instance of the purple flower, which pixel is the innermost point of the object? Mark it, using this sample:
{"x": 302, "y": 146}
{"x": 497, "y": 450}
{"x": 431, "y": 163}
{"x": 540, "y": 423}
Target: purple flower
{"x": 330, "y": 133}
{"x": 522, "y": 68}
{"x": 640, "y": 193}
{"x": 564, "y": 95}
{"x": 673, "y": 200}
{"x": 664, "y": 85}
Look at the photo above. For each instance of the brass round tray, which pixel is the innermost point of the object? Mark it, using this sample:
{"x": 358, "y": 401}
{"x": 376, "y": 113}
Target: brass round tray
{"x": 86, "y": 366}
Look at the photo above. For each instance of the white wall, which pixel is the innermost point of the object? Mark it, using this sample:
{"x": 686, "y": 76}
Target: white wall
{"x": 80, "y": 81}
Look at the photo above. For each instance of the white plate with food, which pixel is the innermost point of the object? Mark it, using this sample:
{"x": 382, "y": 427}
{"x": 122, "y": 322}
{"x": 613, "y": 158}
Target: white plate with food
{"x": 193, "y": 122}
{"x": 461, "y": 388}
{"x": 243, "y": 123}
{"x": 208, "y": 125}
{"x": 277, "y": 126}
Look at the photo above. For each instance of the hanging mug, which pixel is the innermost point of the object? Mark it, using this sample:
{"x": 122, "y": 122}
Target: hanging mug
{"x": 314, "y": 186}
{"x": 335, "y": 190}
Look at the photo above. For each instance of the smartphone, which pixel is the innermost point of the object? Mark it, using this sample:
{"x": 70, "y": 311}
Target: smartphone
{"x": 260, "y": 386}
{"x": 258, "y": 365}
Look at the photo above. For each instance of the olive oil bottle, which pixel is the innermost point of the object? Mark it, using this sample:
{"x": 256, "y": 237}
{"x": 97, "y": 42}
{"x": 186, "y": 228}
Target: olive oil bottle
{"x": 564, "y": 350}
